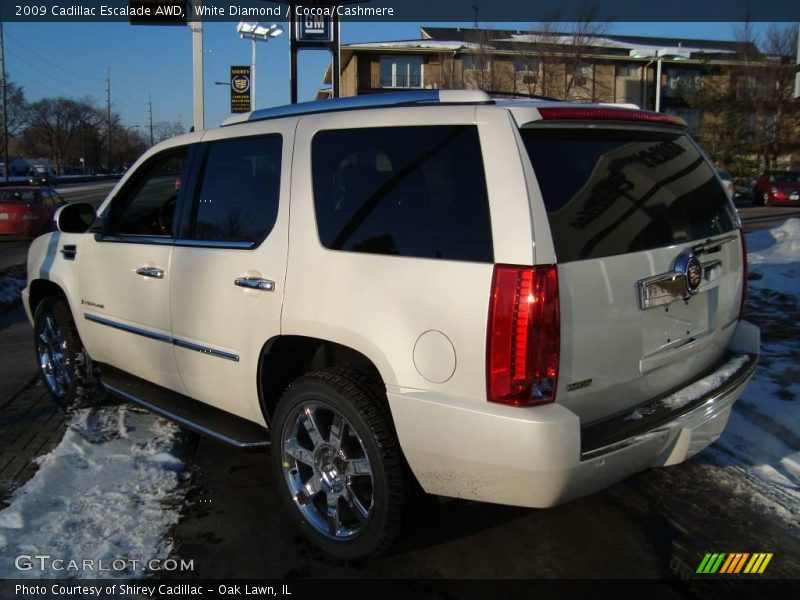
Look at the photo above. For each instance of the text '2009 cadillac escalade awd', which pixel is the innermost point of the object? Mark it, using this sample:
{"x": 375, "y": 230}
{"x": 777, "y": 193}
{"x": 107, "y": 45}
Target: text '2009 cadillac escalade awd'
{"x": 518, "y": 302}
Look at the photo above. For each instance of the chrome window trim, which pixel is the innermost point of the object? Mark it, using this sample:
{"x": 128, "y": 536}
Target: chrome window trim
{"x": 161, "y": 337}
{"x": 166, "y": 240}
{"x": 233, "y": 245}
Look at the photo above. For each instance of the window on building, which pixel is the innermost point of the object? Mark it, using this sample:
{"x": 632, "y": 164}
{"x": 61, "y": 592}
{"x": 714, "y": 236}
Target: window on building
{"x": 680, "y": 81}
{"x": 476, "y": 62}
{"x": 582, "y": 73}
{"x": 627, "y": 70}
{"x": 527, "y": 64}
{"x": 401, "y": 72}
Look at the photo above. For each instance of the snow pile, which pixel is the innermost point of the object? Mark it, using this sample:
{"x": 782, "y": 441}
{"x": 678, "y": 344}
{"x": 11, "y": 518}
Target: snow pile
{"x": 774, "y": 257}
{"x": 762, "y": 440}
{"x": 110, "y": 491}
{"x": 703, "y": 386}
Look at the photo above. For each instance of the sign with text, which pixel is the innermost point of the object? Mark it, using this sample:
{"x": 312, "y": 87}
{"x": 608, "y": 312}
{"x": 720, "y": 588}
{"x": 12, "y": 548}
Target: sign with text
{"x": 240, "y": 89}
{"x": 315, "y": 29}
{"x": 158, "y": 12}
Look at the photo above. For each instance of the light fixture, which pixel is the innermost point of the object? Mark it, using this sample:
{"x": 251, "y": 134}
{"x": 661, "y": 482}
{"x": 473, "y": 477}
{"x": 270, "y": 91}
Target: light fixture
{"x": 249, "y": 30}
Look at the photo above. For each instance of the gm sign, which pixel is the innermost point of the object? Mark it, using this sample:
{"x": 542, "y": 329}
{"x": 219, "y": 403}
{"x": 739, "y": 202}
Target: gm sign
{"x": 315, "y": 29}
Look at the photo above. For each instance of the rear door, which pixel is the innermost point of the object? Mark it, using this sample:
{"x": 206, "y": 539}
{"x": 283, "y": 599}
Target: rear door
{"x": 229, "y": 264}
{"x": 638, "y": 217}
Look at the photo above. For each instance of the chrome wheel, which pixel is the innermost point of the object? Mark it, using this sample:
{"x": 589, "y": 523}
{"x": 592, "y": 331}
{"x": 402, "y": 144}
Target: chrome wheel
{"x": 327, "y": 470}
{"x": 51, "y": 349}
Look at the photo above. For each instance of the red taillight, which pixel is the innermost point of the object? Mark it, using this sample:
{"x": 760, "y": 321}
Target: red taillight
{"x": 522, "y": 346}
{"x": 608, "y": 114}
{"x": 744, "y": 273}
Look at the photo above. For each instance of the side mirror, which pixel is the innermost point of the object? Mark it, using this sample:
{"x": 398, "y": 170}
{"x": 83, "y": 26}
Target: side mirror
{"x": 76, "y": 217}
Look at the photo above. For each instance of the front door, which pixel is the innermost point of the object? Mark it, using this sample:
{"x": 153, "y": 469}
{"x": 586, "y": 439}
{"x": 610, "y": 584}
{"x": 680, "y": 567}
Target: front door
{"x": 125, "y": 272}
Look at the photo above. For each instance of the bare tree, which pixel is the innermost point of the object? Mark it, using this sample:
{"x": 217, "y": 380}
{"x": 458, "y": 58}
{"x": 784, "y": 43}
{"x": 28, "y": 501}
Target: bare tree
{"x": 17, "y": 109}
{"x": 164, "y": 130}
{"x": 55, "y": 128}
{"x": 763, "y": 84}
{"x": 560, "y": 58}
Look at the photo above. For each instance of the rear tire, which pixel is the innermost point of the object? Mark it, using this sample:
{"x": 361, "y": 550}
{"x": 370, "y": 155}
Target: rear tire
{"x": 67, "y": 371}
{"x": 338, "y": 464}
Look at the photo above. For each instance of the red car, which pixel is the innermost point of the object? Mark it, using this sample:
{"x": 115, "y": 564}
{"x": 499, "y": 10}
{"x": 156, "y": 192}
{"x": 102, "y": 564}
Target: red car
{"x": 777, "y": 188}
{"x": 27, "y": 211}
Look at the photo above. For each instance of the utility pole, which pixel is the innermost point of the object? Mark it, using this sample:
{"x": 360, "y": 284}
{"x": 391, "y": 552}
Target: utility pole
{"x": 797, "y": 66}
{"x": 5, "y": 105}
{"x": 108, "y": 117}
{"x": 150, "y": 105}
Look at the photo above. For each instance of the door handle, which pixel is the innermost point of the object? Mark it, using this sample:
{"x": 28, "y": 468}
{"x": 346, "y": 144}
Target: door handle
{"x": 150, "y": 272}
{"x": 255, "y": 283}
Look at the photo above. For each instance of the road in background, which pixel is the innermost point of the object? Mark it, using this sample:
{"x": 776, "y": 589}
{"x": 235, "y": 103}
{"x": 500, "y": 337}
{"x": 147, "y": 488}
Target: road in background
{"x": 86, "y": 192}
{"x": 765, "y": 217}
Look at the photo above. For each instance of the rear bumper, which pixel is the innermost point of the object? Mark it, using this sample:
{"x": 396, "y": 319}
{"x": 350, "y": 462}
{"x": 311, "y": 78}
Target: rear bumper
{"x": 536, "y": 457}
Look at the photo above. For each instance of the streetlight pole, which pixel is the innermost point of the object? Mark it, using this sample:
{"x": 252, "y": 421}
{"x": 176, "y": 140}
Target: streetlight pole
{"x": 658, "y": 83}
{"x": 127, "y": 130}
{"x": 253, "y": 74}
{"x": 5, "y": 104}
{"x": 255, "y": 32}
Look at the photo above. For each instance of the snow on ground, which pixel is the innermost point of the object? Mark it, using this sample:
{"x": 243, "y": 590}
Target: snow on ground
{"x": 110, "y": 491}
{"x": 10, "y": 288}
{"x": 762, "y": 440}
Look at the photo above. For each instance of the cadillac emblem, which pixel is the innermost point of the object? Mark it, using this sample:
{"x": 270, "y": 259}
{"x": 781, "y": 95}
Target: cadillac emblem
{"x": 240, "y": 83}
{"x": 693, "y": 274}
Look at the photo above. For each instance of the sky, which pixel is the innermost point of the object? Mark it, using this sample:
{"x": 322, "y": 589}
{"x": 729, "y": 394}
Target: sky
{"x": 147, "y": 62}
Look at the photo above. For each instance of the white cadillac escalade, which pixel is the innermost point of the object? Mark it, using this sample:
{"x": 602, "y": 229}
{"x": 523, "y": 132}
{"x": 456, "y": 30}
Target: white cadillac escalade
{"x": 518, "y": 302}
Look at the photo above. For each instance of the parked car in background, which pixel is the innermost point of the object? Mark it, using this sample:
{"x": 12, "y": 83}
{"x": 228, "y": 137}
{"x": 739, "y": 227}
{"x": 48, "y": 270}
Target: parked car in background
{"x": 727, "y": 183}
{"x": 743, "y": 188}
{"x": 41, "y": 179}
{"x": 28, "y": 211}
{"x": 777, "y": 188}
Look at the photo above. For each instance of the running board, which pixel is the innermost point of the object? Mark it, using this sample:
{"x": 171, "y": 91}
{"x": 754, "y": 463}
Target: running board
{"x": 184, "y": 411}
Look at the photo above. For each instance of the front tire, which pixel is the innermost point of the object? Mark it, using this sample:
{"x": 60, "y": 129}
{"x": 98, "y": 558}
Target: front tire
{"x": 65, "y": 366}
{"x": 339, "y": 467}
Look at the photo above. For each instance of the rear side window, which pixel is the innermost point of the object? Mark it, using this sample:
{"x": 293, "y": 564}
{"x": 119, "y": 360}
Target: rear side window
{"x": 611, "y": 192}
{"x": 238, "y": 195}
{"x": 404, "y": 191}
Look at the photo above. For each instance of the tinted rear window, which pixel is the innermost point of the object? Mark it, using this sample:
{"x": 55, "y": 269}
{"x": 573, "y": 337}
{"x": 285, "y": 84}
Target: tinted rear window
{"x": 613, "y": 192}
{"x": 405, "y": 191}
{"x": 19, "y": 196}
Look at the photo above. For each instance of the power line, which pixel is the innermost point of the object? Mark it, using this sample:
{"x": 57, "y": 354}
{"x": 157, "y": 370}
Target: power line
{"x": 46, "y": 74}
{"x": 61, "y": 68}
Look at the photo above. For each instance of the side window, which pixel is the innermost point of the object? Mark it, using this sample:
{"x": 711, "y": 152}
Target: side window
{"x": 146, "y": 205}
{"x": 237, "y": 198}
{"x": 406, "y": 191}
{"x": 49, "y": 198}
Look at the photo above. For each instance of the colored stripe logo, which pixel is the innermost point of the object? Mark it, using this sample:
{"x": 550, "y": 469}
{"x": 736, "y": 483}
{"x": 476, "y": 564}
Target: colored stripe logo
{"x": 734, "y": 563}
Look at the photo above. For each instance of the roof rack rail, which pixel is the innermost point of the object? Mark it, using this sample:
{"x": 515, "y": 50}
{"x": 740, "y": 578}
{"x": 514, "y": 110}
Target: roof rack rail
{"x": 412, "y": 98}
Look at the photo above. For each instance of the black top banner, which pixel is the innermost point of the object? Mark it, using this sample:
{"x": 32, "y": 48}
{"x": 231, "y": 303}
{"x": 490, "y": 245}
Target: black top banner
{"x": 469, "y": 11}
